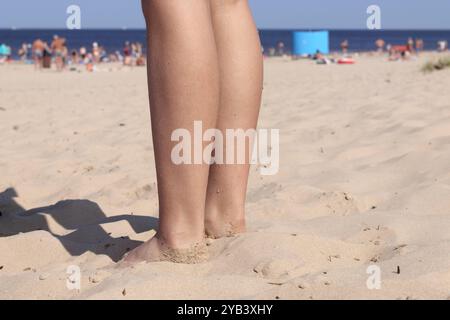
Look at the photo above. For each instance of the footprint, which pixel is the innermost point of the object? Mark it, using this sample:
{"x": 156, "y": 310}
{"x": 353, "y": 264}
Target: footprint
{"x": 276, "y": 268}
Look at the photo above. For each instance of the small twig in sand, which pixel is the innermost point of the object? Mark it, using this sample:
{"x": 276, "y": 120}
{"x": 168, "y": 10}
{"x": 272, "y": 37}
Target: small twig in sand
{"x": 276, "y": 283}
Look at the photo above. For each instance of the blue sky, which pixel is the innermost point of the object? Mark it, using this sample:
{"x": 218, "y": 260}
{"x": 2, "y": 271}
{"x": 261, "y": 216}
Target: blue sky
{"x": 351, "y": 14}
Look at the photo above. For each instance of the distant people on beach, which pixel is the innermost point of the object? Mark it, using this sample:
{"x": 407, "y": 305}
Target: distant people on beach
{"x": 74, "y": 57}
{"x": 38, "y": 48}
{"x": 127, "y": 54}
{"x": 83, "y": 54}
{"x": 59, "y": 51}
{"x": 271, "y": 52}
{"x": 344, "y": 46}
{"x": 23, "y": 52}
{"x": 404, "y": 52}
{"x": 420, "y": 45}
{"x": 281, "y": 51}
{"x": 380, "y": 45}
{"x": 410, "y": 45}
{"x": 96, "y": 52}
{"x": 442, "y": 45}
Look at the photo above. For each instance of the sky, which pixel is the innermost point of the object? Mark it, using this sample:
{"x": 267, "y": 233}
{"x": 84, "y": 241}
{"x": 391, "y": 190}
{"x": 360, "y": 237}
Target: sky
{"x": 269, "y": 14}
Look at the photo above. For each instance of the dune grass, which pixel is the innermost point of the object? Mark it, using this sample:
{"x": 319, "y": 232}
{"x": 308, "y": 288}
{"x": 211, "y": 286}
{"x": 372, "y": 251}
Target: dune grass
{"x": 440, "y": 64}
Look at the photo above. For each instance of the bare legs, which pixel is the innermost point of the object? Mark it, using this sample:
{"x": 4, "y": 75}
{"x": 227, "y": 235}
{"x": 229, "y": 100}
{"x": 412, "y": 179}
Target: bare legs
{"x": 195, "y": 67}
{"x": 240, "y": 61}
{"x": 183, "y": 87}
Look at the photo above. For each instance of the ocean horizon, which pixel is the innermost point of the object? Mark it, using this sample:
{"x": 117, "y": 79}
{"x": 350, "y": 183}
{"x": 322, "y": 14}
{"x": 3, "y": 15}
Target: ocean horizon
{"x": 360, "y": 40}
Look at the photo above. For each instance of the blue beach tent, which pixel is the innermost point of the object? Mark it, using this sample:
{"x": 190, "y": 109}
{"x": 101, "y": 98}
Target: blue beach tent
{"x": 309, "y": 42}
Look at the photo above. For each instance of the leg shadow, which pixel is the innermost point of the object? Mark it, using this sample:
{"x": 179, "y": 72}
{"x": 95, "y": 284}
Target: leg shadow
{"x": 78, "y": 225}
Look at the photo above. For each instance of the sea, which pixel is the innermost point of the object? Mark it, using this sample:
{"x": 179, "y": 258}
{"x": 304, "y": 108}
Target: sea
{"x": 113, "y": 40}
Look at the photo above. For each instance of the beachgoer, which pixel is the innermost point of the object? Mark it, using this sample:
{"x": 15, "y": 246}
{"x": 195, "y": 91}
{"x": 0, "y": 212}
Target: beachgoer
{"x": 139, "y": 50}
{"x": 419, "y": 45}
{"x": 59, "y": 51}
{"x": 204, "y": 64}
{"x": 38, "y": 48}
{"x": 380, "y": 45}
{"x": 74, "y": 57}
{"x": 83, "y": 53}
{"x": 410, "y": 45}
{"x": 271, "y": 52}
{"x": 119, "y": 56}
{"x": 280, "y": 49}
{"x": 23, "y": 52}
{"x": 96, "y": 51}
{"x": 442, "y": 45}
{"x": 127, "y": 52}
{"x": 344, "y": 46}
{"x": 140, "y": 61}
{"x": 318, "y": 55}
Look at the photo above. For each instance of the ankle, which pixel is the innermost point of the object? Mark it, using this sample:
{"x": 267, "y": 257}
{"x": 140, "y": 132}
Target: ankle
{"x": 224, "y": 222}
{"x": 180, "y": 240}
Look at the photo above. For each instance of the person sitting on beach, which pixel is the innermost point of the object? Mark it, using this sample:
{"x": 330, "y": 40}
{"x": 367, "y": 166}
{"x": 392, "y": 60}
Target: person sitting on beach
{"x": 38, "y": 48}
{"x": 318, "y": 55}
{"x": 204, "y": 64}
{"x": 59, "y": 49}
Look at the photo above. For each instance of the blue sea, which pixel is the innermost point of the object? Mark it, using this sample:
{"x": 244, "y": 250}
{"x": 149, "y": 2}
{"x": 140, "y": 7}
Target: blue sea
{"x": 112, "y": 40}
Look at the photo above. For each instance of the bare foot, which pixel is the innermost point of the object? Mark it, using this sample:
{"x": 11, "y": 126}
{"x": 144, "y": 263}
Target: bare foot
{"x": 221, "y": 227}
{"x": 155, "y": 250}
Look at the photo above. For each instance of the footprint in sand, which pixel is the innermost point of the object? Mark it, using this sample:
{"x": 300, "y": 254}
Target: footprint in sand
{"x": 276, "y": 268}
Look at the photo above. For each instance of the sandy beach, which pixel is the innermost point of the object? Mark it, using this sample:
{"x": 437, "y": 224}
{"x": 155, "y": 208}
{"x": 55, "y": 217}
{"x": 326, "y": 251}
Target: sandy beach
{"x": 364, "y": 181}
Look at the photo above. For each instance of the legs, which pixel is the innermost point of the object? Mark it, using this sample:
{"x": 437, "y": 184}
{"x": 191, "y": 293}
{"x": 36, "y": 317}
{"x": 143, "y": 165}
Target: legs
{"x": 204, "y": 55}
{"x": 240, "y": 61}
{"x": 183, "y": 76}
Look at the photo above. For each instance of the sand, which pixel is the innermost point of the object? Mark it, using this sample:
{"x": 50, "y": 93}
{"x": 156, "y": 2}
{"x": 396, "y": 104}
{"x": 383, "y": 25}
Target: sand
{"x": 364, "y": 181}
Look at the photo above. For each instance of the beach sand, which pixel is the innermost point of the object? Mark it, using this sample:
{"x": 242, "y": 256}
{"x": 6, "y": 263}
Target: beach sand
{"x": 364, "y": 181}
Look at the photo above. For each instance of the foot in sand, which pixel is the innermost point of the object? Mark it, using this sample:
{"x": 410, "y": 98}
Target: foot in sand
{"x": 156, "y": 250}
{"x": 221, "y": 226}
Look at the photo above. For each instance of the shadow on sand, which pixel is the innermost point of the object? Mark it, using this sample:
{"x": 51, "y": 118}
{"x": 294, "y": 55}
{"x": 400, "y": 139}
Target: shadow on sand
{"x": 80, "y": 225}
